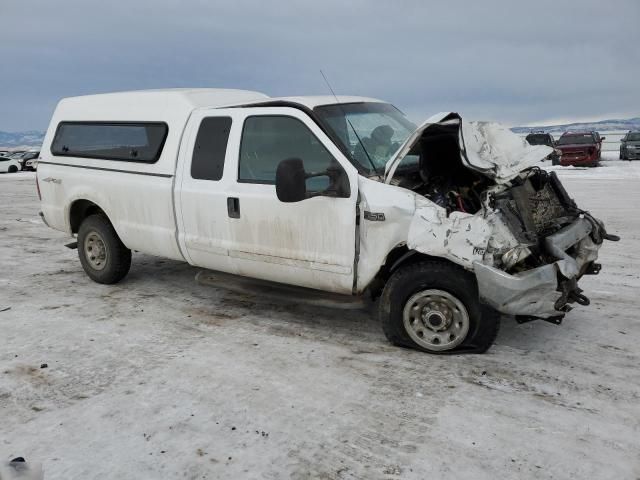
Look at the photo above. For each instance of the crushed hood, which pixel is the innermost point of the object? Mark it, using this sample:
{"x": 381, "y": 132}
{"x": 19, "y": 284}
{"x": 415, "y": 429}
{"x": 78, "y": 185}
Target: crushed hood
{"x": 489, "y": 148}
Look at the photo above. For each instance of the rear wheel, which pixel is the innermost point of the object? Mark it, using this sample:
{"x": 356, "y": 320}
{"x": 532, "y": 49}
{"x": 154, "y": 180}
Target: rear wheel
{"x": 102, "y": 254}
{"x": 434, "y": 307}
{"x": 13, "y": 169}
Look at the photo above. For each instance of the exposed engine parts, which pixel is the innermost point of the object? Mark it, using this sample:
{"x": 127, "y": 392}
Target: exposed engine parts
{"x": 433, "y": 168}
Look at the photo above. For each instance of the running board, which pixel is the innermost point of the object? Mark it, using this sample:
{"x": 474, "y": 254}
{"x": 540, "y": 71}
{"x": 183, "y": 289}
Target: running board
{"x": 279, "y": 292}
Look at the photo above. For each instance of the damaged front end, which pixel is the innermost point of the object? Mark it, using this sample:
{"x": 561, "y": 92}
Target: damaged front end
{"x": 557, "y": 243}
{"x": 483, "y": 203}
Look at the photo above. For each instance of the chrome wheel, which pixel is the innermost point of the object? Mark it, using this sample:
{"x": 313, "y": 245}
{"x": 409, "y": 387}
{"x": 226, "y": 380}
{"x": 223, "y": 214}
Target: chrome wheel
{"x": 436, "y": 320}
{"x": 95, "y": 251}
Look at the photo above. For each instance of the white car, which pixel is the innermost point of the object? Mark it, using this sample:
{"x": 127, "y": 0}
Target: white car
{"x": 9, "y": 165}
{"x": 447, "y": 225}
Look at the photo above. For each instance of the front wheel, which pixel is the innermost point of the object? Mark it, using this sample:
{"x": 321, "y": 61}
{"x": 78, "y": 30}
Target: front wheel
{"x": 102, "y": 254}
{"x": 434, "y": 307}
{"x": 13, "y": 169}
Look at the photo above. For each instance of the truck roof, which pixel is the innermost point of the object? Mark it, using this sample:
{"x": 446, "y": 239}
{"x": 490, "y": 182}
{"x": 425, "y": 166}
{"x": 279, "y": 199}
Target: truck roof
{"x": 577, "y": 132}
{"x": 312, "y": 101}
{"x": 141, "y": 104}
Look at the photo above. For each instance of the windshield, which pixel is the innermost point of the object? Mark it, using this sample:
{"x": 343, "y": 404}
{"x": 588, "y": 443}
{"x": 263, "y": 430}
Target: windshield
{"x": 380, "y": 130}
{"x": 585, "y": 138}
{"x": 633, "y": 137}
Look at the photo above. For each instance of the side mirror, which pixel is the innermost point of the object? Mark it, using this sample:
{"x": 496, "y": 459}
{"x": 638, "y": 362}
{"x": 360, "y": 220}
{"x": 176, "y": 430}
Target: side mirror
{"x": 602, "y": 139}
{"x": 291, "y": 181}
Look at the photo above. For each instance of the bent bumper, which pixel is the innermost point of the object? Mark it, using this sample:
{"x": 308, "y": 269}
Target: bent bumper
{"x": 568, "y": 160}
{"x": 539, "y": 292}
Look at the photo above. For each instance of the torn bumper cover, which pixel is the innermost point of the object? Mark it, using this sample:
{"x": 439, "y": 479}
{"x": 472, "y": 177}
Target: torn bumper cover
{"x": 545, "y": 291}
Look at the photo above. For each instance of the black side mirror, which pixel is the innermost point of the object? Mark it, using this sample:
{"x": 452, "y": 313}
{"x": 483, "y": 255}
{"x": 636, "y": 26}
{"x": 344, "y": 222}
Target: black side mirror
{"x": 602, "y": 138}
{"x": 291, "y": 181}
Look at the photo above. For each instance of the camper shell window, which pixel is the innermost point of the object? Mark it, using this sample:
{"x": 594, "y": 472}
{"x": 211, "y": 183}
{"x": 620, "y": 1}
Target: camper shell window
{"x": 123, "y": 141}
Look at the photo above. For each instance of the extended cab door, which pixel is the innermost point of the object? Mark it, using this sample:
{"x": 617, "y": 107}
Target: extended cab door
{"x": 237, "y": 224}
{"x": 203, "y": 181}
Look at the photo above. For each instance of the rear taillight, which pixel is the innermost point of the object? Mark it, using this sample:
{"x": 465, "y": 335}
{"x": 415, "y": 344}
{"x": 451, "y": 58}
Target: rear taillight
{"x": 38, "y": 187}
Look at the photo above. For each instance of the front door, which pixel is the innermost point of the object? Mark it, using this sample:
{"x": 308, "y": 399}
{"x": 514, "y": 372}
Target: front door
{"x": 310, "y": 243}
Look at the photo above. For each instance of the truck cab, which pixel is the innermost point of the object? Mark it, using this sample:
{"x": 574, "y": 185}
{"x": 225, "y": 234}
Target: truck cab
{"x": 440, "y": 223}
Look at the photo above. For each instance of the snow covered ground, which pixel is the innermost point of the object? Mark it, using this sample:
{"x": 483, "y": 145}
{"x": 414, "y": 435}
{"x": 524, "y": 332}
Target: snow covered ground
{"x": 159, "y": 377}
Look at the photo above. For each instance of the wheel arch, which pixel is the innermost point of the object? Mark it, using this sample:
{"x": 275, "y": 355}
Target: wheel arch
{"x": 80, "y": 209}
{"x": 400, "y": 256}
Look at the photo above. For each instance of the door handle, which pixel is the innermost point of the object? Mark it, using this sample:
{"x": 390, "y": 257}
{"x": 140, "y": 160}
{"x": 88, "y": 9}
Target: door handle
{"x": 233, "y": 207}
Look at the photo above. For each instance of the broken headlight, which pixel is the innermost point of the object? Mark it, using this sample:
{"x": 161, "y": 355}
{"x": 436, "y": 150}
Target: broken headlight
{"x": 514, "y": 255}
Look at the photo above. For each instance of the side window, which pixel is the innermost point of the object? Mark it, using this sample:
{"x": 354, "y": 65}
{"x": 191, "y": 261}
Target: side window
{"x": 209, "y": 151}
{"x": 124, "y": 141}
{"x": 267, "y": 140}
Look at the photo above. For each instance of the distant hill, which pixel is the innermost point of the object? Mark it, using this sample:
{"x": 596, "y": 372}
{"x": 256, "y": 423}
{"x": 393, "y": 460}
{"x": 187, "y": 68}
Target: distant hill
{"x": 32, "y": 138}
{"x": 601, "y": 126}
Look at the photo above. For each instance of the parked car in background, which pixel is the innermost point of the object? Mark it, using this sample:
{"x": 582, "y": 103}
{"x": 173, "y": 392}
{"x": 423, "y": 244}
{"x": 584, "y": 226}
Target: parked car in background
{"x": 17, "y": 155}
{"x": 30, "y": 160}
{"x": 580, "y": 148}
{"x": 541, "y": 138}
{"x": 630, "y": 146}
{"x": 9, "y": 165}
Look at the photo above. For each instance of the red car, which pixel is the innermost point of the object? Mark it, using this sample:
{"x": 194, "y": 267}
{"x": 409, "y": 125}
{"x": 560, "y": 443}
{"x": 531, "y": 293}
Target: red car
{"x": 580, "y": 148}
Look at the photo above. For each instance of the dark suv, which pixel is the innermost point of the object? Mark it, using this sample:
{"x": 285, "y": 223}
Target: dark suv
{"x": 580, "y": 148}
{"x": 541, "y": 138}
{"x": 630, "y": 146}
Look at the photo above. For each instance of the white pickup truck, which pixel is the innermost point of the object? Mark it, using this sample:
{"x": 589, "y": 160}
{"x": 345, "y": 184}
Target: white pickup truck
{"x": 447, "y": 225}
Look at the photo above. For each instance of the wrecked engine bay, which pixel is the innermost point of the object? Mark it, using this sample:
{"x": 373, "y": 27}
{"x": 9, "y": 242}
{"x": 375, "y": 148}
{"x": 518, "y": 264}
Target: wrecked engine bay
{"x": 521, "y": 233}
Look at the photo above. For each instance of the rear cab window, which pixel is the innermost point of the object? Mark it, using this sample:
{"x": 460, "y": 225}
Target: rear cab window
{"x": 210, "y": 148}
{"x": 122, "y": 141}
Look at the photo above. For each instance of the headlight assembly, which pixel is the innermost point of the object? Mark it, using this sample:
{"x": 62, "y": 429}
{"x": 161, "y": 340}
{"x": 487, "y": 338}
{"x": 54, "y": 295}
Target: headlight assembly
{"x": 515, "y": 255}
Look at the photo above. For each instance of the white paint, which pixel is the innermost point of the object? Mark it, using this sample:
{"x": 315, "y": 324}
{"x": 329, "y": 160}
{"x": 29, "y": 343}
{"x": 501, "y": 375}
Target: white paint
{"x": 460, "y": 237}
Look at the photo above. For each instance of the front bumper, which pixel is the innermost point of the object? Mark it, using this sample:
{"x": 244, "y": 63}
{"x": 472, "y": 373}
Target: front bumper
{"x": 542, "y": 292}
{"x": 577, "y": 161}
{"x": 632, "y": 153}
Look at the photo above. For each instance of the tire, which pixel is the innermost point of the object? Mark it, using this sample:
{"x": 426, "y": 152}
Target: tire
{"x": 112, "y": 261}
{"x": 12, "y": 169}
{"x": 441, "y": 284}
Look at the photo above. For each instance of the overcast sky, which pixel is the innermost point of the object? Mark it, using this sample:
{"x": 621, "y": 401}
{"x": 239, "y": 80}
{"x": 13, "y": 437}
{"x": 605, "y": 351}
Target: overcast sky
{"x": 511, "y": 61}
